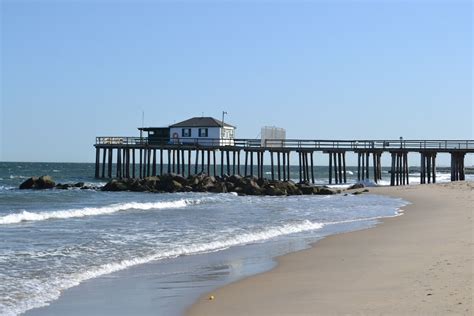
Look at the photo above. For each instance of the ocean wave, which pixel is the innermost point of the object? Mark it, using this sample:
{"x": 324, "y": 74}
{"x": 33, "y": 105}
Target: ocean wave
{"x": 50, "y": 291}
{"x": 17, "y": 177}
{"x": 26, "y": 216}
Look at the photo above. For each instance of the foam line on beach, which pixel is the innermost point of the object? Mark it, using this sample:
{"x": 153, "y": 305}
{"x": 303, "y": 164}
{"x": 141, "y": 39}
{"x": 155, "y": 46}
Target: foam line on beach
{"x": 26, "y": 216}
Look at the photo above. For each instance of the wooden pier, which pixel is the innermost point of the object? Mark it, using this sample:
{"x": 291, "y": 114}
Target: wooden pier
{"x": 135, "y": 157}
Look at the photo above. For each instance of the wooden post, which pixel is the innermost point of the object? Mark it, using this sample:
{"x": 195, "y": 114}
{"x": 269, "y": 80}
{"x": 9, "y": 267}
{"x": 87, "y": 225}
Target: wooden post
{"x": 238, "y": 162}
{"x": 233, "y": 162}
{"x": 278, "y": 165}
{"x": 272, "y": 165}
{"x": 148, "y": 162}
{"x": 97, "y": 159}
{"x": 222, "y": 163}
{"x": 358, "y": 167}
{"x": 196, "y": 162}
{"x": 251, "y": 163}
{"x": 374, "y": 162}
{"x": 288, "y": 166}
{"x": 202, "y": 160}
{"x": 312, "y": 168}
{"x": 330, "y": 168}
{"x": 379, "y": 164}
{"x": 208, "y": 162}
{"x": 422, "y": 168}
{"x": 284, "y": 166}
{"x": 118, "y": 172}
{"x": 344, "y": 168}
{"x": 140, "y": 163}
{"x": 300, "y": 167}
{"x": 214, "y": 162}
{"x": 336, "y": 176}
{"x": 306, "y": 166}
{"x": 189, "y": 162}
{"x": 133, "y": 163}
{"x": 259, "y": 175}
{"x": 367, "y": 155}
{"x": 169, "y": 160}
{"x": 433, "y": 165}
{"x": 228, "y": 161}
{"x": 428, "y": 167}
{"x": 178, "y": 161}
{"x": 161, "y": 161}
{"x": 392, "y": 170}
{"x": 104, "y": 153}
{"x": 246, "y": 162}
{"x": 339, "y": 167}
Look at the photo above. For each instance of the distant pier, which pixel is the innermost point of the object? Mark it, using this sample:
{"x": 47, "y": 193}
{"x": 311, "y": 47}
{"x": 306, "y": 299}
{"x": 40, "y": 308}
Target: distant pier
{"x": 137, "y": 157}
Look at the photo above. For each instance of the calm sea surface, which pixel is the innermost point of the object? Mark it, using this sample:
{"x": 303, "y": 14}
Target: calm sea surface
{"x": 53, "y": 240}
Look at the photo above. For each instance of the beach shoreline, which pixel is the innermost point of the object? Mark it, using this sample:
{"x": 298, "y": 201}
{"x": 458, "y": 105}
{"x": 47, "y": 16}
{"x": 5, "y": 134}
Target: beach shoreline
{"x": 418, "y": 263}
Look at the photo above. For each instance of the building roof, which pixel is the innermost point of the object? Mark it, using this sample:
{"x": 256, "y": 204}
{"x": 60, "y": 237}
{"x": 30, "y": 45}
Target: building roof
{"x": 150, "y": 129}
{"x": 201, "y": 122}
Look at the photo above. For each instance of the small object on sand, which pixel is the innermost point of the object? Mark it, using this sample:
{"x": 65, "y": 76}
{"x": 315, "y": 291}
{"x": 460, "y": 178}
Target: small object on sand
{"x": 211, "y": 297}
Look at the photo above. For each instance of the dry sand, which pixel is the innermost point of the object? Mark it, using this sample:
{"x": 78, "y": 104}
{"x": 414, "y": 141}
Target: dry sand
{"x": 420, "y": 263}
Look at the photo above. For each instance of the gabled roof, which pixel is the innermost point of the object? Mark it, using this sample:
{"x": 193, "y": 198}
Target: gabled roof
{"x": 201, "y": 122}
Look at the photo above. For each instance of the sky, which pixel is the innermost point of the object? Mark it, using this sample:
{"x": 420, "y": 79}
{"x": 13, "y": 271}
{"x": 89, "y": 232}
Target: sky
{"x": 74, "y": 70}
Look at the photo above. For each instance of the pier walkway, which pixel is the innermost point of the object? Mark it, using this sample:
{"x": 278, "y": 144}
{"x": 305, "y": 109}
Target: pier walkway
{"x": 137, "y": 157}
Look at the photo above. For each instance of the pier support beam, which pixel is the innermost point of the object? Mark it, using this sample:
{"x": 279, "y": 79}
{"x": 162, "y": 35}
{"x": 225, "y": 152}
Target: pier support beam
{"x": 428, "y": 167}
{"x": 457, "y": 166}
{"x": 399, "y": 171}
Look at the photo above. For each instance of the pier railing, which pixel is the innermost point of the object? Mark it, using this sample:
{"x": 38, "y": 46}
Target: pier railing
{"x": 292, "y": 144}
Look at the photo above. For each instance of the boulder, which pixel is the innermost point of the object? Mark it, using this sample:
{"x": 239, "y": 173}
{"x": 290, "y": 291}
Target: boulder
{"x": 274, "y": 191}
{"x": 43, "y": 182}
{"x": 29, "y": 183}
{"x": 356, "y": 186}
{"x": 115, "y": 185}
{"x": 64, "y": 186}
{"x": 324, "y": 191}
{"x": 306, "y": 189}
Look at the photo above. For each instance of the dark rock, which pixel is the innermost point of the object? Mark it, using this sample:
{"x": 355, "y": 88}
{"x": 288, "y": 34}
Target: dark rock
{"x": 79, "y": 185}
{"x": 306, "y": 189}
{"x": 29, "y": 183}
{"x": 64, "y": 186}
{"x": 235, "y": 179}
{"x": 274, "y": 191}
{"x": 43, "y": 182}
{"x": 115, "y": 185}
{"x": 218, "y": 187}
{"x": 356, "y": 186}
{"x": 251, "y": 187}
{"x": 230, "y": 186}
{"x": 324, "y": 191}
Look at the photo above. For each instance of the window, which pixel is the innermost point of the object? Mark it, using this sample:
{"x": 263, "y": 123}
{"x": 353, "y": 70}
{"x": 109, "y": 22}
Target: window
{"x": 185, "y": 132}
{"x": 203, "y": 132}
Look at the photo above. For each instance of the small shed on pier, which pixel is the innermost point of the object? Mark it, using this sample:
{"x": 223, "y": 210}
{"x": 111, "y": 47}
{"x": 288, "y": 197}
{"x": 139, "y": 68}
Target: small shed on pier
{"x": 206, "y": 131}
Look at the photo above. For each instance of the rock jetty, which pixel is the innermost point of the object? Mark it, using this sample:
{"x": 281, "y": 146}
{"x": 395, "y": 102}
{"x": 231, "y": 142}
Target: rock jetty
{"x": 197, "y": 183}
{"x": 205, "y": 183}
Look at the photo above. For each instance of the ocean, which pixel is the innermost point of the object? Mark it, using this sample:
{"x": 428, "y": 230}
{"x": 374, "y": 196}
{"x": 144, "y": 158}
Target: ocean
{"x": 55, "y": 240}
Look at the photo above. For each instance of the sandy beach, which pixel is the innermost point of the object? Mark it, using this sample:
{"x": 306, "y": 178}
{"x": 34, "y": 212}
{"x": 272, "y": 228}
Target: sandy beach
{"x": 420, "y": 263}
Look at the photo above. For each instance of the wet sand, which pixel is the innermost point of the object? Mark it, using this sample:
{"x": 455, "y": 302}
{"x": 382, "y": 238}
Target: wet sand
{"x": 420, "y": 263}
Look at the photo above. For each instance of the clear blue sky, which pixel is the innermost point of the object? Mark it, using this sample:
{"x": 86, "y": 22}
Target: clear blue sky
{"x": 73, "y": 70}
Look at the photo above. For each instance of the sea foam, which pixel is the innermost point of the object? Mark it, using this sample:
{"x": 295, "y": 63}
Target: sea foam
{"x": 26, "y": 216}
